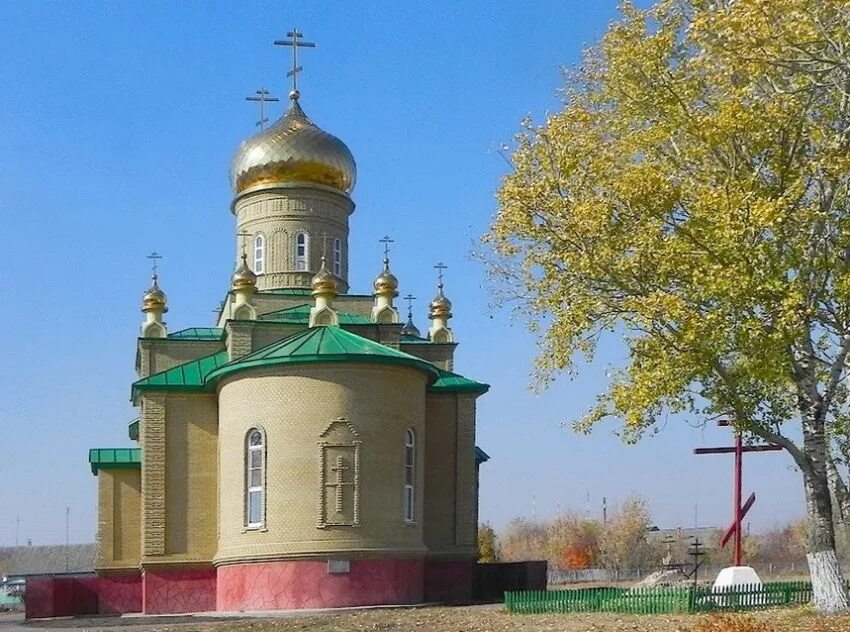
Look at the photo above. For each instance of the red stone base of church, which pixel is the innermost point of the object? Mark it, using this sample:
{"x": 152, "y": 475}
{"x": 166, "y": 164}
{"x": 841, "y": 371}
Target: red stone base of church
{"x": 177, "y": 591}
{"x": 308, "y": 584}
{"x": 256, "y": 586}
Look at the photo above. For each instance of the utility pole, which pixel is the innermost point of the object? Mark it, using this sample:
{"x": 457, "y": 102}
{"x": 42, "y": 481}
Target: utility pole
{"x": 67, "y": 520}
{"x": 17, "y": 529}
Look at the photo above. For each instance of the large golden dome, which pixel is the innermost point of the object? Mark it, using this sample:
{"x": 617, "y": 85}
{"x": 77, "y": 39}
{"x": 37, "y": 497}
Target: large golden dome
{"x": 293, "y": 150}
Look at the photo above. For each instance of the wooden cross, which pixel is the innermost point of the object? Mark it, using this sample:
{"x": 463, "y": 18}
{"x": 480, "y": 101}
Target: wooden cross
{"x": 738, "y": 511}
{"x": 263, "y": 97}
{"x": 154, "y": 257}
{"x": 294, "y": 36}
{"x": 339, "y": 469}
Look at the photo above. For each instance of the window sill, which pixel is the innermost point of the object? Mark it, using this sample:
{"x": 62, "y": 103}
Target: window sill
{"x": 257, "y": 529}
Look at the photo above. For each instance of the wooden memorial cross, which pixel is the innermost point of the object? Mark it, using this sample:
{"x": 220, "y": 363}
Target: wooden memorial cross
{"x": 739, "y": 511}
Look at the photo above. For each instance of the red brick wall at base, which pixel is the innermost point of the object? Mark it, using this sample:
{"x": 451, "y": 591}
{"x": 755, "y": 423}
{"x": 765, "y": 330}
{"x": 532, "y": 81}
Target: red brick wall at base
{"x": 178, "y": 591}
{"x": 67, "y": 596}
{"x": 308, "y": 584}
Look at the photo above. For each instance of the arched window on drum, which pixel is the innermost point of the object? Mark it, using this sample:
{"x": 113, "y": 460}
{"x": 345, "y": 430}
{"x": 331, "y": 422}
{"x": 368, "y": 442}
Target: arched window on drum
{"x": 409, "y": 476}
{"x": 255, "y": 479}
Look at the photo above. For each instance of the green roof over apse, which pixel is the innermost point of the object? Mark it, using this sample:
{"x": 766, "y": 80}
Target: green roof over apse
{"x": 300, "y": 315}
{"x": 106, "y": 458}
{"x": 190, "y": 376}
{"x": 133, "y": 430}
{"x": 323, "y": 344}
{"x": 452, "y": 382}
{"x": 198, "y": 333}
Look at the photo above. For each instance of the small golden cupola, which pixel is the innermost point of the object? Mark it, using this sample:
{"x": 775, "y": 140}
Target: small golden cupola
{"x": 154, "y": 305}
{"x": 385, "y": 290}
{"x": 244, "y": 286}
{"x": 439, "y": 312}
{"x": 324, "y": 287}
{"x": 294, "y": 149}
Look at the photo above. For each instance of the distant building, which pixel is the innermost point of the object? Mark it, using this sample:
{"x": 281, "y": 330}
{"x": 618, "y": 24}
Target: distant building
{"x": 21, "y": 562}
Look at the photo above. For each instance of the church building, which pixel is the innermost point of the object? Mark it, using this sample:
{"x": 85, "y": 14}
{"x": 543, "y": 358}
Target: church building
{"x": 312, "y": 449}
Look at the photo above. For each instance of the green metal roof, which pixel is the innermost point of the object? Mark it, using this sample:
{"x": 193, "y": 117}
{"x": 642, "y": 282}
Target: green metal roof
{"x": 481, "y": 456}
{"x": 190, "y": 376}
{"x": 452, "y": 382}
{"x": 105, "y": 458}
{"x": 288, "y": 291}
{"x": 407, "y": 339}
{"x": 323, "y": 344}
{"x": 198, "y": 333}
{"x": 300, "y": 314}
{"x": 133, "y": 430}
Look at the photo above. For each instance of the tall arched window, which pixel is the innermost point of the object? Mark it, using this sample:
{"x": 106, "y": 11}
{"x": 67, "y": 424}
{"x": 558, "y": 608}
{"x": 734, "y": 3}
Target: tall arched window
{"x": 255, "y": 478}
{"x": 409, "y": 476}
{"x": 302, "y": 251}
{"x": 337, "y": 257}
{"x": 259, "y": 254}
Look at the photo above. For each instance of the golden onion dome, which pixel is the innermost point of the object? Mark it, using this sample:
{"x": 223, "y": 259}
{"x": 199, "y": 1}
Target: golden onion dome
{"x": 386, "y": 282}
{"x": 440, "y": 306}
{"x": 154, "y": 299}
{"x": 323, "y": 282}
{"x": 293, "y": 150}
{"x": 244, "y": 277}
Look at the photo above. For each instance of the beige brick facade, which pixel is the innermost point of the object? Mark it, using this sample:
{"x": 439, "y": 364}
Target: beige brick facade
{"x": 279, "y": 214}
{"x": 294, "y": 405}
{"x": 119, "y": 519}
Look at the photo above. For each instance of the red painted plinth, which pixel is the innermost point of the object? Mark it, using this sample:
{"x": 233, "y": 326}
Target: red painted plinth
{"x": 117, "y": 594}
{"x": 176, "y": 591}
{"x": 68, "y": 596}
{"x": 449, "y": 582}
{"x": 307, "y": 584}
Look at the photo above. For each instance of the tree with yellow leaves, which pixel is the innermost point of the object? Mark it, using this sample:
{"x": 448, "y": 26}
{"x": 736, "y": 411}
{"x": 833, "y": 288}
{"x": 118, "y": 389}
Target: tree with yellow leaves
{"x": 693, "y": 196}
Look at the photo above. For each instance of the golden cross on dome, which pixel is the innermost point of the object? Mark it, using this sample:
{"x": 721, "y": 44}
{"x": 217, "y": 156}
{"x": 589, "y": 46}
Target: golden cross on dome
{"x": 263, "y": 97}
{"x": 440, "y": 267}
{"x": 410, "y": 298}
{"x": 244, "y": 235}
{"x": 294, "y": 40}
{"x": 154, "y": 257}
{"x": 386, "y": 241}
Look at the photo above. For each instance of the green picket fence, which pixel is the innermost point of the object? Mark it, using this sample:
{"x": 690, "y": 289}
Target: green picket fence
{"x": 659, "y": 600}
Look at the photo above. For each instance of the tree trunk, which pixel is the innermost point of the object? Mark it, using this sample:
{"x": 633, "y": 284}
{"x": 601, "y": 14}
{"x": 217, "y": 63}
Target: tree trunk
{"x": 829, "y": 594}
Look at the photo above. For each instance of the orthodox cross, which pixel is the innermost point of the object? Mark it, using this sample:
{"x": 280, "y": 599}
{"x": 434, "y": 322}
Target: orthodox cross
{"x": 440, "y": 267}
{"x": 410, "y": 298}
{"x": 339, "y": 468}
{"x": 244, "y": 235}
{"x": 263, "y": 97}
{"x": 386, "y": 241}
{"x": 154, "y": 257}
{"x": 294, "y": 41}
{"x": 738, "y": 510}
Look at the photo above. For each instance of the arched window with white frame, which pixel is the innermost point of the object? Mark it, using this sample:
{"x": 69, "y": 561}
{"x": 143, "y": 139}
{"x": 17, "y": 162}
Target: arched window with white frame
{"x": 409, "y": 476}
{"x": 337, "y": 257}
{"x": 255, "y": 478}
{"x": 259, "y": 253}
{"x": 302, "y": 251}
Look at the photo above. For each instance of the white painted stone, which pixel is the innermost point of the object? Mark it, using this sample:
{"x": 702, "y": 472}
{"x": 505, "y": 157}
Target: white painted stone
{"x": 736, "y": 576}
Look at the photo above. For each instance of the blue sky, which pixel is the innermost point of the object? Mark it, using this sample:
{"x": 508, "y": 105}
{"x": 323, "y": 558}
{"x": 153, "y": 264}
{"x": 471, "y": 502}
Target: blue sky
{"x": 117, "y": 124}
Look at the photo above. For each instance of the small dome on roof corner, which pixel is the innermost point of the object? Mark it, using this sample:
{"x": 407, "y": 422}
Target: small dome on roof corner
{"x": 410, "y": 329}
{"x": 386, "y": 282}
{"x": 440, "y": 306}
{"x": 294, "y": 149}
{"x": 154, "y": 298}
{"x": 323, "y": 280}
{"x": 244, "y": 276}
